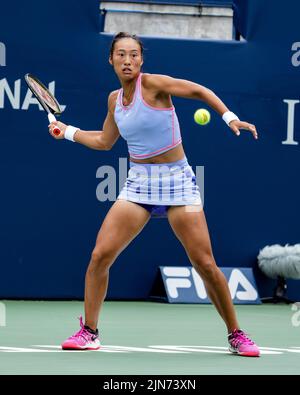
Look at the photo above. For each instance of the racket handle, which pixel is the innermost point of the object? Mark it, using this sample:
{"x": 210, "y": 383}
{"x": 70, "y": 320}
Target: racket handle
{"x": 52, "y": 118}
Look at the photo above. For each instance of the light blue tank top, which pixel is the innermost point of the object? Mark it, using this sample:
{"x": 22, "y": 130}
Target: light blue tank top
{"x": 148, "y": 131}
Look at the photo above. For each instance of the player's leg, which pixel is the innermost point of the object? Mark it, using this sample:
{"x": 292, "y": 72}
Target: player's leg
{"x": 191, "y": 229}
{"x": 122, "y": 224}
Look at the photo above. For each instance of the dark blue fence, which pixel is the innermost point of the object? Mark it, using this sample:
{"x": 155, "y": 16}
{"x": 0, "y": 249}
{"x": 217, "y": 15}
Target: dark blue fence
{"x": 49, "y": 212}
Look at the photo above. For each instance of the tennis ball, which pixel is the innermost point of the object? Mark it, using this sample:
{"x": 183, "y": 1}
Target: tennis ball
{"x": 202, "y": 116}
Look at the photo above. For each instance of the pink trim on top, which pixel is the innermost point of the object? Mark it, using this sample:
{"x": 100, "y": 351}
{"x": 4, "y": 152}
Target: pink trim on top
{"x": 134, "y": 97}
{"x": 148, "y": 105}
{"x": 155, "y": 152}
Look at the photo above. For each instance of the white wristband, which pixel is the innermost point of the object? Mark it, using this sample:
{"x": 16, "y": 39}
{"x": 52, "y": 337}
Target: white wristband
{"x": 229, "y": 116}
{"x": 69, "y": 133}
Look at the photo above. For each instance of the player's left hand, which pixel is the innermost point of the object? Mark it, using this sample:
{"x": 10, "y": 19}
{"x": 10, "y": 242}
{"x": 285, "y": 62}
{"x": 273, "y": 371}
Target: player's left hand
{"x": 235, "y": 126}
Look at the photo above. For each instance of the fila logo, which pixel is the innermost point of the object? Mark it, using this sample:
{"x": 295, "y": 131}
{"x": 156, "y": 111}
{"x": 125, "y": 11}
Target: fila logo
{"x": 177, "y": 277}
{"x": 183, "y": 284}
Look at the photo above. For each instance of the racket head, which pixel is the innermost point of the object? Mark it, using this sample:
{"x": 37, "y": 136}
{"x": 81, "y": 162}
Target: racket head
{"x": 43, "y": 95}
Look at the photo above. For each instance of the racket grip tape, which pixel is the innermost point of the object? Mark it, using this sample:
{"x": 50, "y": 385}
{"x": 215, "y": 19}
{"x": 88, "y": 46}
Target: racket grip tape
{"x": 52, "y": 118}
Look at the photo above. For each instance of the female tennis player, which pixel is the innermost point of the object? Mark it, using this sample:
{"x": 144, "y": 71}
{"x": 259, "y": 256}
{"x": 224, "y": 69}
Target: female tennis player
{"x": 143, "y": 114}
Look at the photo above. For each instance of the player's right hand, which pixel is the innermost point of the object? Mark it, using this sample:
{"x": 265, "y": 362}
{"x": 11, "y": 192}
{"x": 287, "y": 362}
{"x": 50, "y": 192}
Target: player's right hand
{"x": 59, "y": 125}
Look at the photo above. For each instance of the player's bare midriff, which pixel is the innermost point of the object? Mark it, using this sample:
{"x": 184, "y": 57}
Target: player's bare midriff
{"x": 172, "y": 155}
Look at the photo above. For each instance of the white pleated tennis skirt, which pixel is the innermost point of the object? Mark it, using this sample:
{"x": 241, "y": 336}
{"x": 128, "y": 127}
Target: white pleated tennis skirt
{"x": 172, "y": 184}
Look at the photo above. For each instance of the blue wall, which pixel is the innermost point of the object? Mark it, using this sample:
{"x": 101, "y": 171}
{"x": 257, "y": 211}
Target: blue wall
{"x": 49, "y": 212}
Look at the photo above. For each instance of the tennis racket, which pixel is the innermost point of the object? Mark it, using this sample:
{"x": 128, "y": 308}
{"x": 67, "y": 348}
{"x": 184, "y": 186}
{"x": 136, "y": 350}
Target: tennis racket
{"x": 45, "y": 98}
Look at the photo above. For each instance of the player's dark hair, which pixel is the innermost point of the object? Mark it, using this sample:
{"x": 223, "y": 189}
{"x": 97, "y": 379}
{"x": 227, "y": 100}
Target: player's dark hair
{"x": 121, "y": 35}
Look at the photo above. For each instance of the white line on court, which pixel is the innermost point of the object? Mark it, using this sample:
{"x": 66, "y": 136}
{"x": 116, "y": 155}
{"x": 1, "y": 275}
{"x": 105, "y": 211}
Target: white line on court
{"x": 210, "y": 349}
{"x": 291, "y": 349}
{"x": 21, "y": 349}
{"x": 58, "y": 349}
{"x": 163, "y": 349}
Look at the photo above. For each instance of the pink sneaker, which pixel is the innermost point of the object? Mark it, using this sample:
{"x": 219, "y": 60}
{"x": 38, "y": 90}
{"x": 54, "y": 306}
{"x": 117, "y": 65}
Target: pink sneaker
{"x": 241, "y": 344}
{"x": 82, "y": 340}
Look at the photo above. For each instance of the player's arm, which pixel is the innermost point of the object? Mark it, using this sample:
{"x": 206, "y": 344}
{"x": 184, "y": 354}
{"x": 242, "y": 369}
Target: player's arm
{"x": 98, "y": 140}
{"x": 190, "y": 90}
